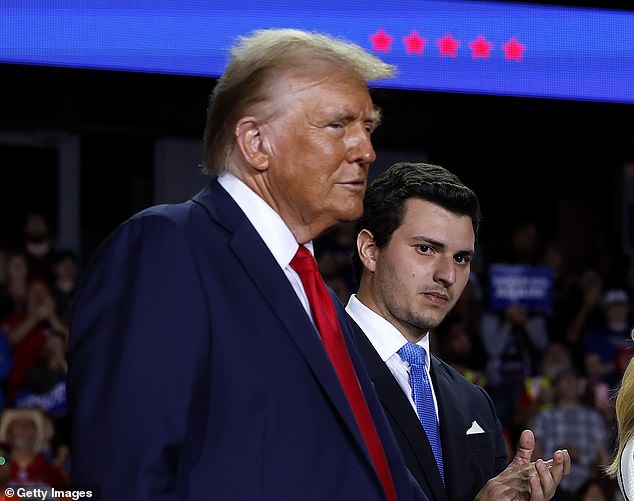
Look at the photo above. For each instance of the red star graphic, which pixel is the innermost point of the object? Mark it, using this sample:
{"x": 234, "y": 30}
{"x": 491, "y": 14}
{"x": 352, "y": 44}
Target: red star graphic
{"x": 448, "y": 45}
{"x": 414, "y": 43}
{"x": 513, "y": 50}
{"x": 381, "y": 41}
{"x": 480, "y": 48}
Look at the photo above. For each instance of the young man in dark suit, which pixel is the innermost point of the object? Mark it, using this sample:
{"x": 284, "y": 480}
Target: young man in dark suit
{"x": 414, "y": 246}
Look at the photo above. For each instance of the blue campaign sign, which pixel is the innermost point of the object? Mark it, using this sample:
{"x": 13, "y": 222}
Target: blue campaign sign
{"x": 464, "y": 46}
{"x": 529, "y": 286}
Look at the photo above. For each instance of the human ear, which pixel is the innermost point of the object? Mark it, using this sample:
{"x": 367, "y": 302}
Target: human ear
{"x": 367, "y": 249}
{"x": 249, "y": 139}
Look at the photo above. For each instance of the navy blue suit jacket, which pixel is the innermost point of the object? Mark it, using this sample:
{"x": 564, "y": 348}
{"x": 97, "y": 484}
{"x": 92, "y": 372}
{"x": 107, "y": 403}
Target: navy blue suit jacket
{"x": 469, "y": 460}
{"x": 195, "y": 373}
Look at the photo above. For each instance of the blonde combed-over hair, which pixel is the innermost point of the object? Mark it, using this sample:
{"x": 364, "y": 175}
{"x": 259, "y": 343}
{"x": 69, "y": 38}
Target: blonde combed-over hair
{"x": 257, "y": 61}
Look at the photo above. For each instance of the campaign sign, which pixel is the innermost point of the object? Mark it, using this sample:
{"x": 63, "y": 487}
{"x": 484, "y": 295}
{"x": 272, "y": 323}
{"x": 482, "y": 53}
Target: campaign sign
{"x": 529, "y": 286}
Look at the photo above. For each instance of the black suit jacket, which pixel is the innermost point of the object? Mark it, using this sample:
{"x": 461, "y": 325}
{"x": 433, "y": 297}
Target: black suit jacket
{"x": 469, "y": 459}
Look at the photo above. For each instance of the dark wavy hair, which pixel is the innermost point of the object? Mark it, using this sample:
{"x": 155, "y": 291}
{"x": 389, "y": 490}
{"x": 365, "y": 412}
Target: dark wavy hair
{"x": 384, "y": 203}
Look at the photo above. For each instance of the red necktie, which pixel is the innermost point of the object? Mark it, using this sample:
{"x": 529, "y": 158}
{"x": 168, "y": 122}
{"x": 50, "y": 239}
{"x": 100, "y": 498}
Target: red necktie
{"x": 328, "y": 324}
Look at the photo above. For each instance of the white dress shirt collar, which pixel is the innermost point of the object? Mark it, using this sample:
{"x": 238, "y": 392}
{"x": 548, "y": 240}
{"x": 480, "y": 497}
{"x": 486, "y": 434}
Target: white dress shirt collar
{"x": 272, "y": 230}
{"x": 385, "y": 338}
{"x": 270, "y": 226}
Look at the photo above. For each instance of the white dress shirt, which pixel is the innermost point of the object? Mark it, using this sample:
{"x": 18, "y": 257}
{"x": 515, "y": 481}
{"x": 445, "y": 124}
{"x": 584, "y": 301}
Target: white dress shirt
{"x": 272, "y": 230}
{"x": 387, "y": 340}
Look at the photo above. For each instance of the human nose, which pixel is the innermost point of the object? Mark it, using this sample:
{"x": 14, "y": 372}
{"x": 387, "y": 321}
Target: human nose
{"x": 445, "y": 271}
{"x": 359, "y": 147}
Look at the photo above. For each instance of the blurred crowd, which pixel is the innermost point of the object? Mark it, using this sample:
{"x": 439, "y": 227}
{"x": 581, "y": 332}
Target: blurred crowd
{"x": 37, "y": 283}
{"x": 554, "y": 371}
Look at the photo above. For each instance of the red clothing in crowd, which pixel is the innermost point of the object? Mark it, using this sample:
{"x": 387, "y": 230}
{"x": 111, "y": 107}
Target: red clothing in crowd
{"x": 25, "y": 353}
{"x": 40, "y": 471}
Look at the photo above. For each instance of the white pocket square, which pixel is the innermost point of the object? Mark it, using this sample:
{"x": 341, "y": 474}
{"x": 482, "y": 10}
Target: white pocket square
{"x": 475, "y": 428}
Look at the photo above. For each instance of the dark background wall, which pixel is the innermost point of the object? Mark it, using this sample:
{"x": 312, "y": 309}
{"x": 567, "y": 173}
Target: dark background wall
{"x": 559, "y": 162}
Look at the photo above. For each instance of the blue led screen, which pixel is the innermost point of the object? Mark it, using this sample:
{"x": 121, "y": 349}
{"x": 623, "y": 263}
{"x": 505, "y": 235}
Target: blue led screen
{"x": 462, "y": 46}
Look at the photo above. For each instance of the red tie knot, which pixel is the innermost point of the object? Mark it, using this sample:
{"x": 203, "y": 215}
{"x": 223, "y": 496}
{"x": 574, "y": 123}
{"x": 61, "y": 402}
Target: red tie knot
{"x": 303, "y": 260}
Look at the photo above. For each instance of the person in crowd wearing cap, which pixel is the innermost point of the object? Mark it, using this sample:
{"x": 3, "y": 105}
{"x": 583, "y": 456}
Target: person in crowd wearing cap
{"x": 23, "y": 431}
{"x": 609, "y": 347}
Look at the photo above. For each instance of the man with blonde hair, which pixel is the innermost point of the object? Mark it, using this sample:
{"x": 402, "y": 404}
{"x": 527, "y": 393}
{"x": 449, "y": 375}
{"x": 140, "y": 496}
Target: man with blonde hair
{"x": 207, "y": 360}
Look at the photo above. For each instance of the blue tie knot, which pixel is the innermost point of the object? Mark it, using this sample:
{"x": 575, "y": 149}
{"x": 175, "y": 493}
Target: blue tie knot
{"x": 423, "y": 398}
{"x": 413, "y": 354}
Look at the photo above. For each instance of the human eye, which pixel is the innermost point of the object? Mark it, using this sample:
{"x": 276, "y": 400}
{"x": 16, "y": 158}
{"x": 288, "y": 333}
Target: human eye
{"x": 370, "y": 127}
{"x": 463, "y": 258}
{"x": 424, "y": 249}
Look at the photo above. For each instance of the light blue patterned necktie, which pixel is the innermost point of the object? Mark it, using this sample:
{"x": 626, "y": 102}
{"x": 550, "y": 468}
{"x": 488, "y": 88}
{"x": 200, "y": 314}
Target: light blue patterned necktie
{"x": 416, "y": 356}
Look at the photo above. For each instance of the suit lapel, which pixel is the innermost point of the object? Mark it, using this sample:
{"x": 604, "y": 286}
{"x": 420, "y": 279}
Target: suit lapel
{"x": 271, "y": 281}
{"x": 452, "y": 419}
{"x": 397, "y": 406}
